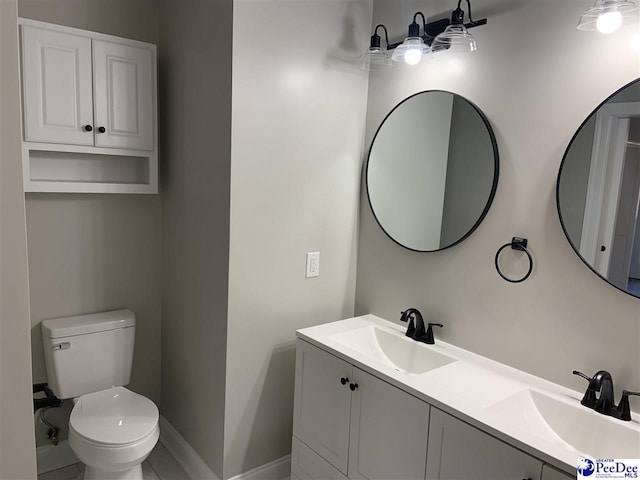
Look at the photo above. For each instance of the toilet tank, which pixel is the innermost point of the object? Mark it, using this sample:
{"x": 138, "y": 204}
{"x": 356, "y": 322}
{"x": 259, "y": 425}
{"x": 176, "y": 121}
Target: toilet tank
{"x": 88, "y": 353}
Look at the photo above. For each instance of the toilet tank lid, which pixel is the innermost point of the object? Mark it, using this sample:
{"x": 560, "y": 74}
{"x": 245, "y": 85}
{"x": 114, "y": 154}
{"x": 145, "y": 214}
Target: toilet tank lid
{"x": 91, "y": 323}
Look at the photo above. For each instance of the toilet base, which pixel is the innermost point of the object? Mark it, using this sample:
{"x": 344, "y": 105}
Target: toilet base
{"x": 91, "y": 473}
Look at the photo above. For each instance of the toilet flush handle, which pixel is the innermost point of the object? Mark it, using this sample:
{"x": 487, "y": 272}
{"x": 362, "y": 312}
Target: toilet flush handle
{"x": 61, "y": 346}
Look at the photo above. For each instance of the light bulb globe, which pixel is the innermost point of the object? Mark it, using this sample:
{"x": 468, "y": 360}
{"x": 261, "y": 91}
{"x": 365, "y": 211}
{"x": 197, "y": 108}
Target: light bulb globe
{"x": 609, "y": 22}
{"x": 410, "y": 51}
{"x": 606, "y": 16}
{"x": 413, "y": 56}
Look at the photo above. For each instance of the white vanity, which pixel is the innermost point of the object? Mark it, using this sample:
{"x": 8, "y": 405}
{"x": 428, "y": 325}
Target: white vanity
{"x": 371, "y": 403}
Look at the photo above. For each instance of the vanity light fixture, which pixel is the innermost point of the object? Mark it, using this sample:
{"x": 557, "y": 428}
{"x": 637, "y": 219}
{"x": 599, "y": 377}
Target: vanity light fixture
{"x": 606, "y": 16}
{"x": 414, "y": 46}
{"x": 456, "y": 37}
{"x": 375, "y": 58}
{"x": 439, "y": 35}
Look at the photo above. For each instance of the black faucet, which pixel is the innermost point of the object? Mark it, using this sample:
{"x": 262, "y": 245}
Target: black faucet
{"x": 602, "y": 383}
{"x": 416, "y": 331}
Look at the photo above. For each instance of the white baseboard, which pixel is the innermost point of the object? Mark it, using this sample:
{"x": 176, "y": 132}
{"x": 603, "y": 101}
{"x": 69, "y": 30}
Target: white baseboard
{"x": 197, "y": 469}
{"x": 279, "y": 469}
{"x": 52, "y": 457}
{"x": 184, "y": 454}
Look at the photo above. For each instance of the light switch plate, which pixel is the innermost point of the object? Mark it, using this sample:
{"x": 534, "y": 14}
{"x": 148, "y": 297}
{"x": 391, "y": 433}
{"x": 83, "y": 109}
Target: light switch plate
{"x": 313, "y": 264}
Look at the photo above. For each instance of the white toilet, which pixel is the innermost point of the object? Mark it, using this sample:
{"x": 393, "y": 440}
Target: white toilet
{"x": 89, "y": 358}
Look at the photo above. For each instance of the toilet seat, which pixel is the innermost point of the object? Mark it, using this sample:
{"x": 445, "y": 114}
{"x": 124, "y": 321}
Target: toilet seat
{"x": 114, "y": 417}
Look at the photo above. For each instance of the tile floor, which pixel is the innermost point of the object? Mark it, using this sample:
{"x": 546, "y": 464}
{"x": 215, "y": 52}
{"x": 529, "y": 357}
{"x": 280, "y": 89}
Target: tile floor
{"x": 160, "y": 465}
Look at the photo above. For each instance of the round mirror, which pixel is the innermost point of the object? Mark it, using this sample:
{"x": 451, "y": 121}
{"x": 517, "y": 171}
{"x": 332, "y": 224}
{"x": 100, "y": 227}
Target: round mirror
{"x": 598, "y": 190}
{"x": 432, "y": 171}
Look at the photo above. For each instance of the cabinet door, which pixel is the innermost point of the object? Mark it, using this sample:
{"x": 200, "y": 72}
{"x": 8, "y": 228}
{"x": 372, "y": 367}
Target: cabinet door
{"x": 322, "y": 404}
{"x": 460, "y": 451}
{"x": 389, "y": 431}
{"x": 124, "y": 95}
{"x": 56, "y": 76}
{"x": 549, "y": 473}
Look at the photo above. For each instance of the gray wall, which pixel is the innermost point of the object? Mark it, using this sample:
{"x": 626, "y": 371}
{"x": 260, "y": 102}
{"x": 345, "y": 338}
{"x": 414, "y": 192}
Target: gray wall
{"x": 17, "y": 451}
{"x": 90, "y": 253}
{"x": 297, "y": 141}
{"x": 536, "y": 77}
{"x": 135, "y": 19}
{"x": 195, "y": 133}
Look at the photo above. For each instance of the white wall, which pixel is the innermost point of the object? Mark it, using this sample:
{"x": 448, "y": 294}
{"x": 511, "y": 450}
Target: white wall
{"x": 17, "y": 446}
{"x": 297, "y": 140}
{"x": 536, "y": 78}
{"x": 90, "y": 253}
{"x": 195, "y": 146}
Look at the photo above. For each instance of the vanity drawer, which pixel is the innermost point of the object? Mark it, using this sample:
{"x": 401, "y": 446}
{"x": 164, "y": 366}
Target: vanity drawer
{"x": 308, "y": 465}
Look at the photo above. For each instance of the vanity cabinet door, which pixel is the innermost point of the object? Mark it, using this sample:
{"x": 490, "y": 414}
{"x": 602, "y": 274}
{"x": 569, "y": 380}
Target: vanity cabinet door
{"x": 460, "y": 451}
{"x": 389, "y": 431}
{"x": 322, "y": 403}
{"x": 550, "y": 473}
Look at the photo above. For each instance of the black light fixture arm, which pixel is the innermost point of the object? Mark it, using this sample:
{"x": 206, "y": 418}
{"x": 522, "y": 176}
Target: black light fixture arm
{"x": 375, "y": 38}
{"x": 433, "y": 29}
{"x": 457, "y": 16}
{"x": 417, "y": 27}
{"x": 472, "y": 23}
{"x": 414, "y": 30}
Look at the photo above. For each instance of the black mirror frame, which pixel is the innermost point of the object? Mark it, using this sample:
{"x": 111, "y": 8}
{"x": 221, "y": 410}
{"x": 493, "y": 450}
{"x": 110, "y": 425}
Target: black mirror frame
{"x": 494, "y": 186}
{"x": 562, "y": 164}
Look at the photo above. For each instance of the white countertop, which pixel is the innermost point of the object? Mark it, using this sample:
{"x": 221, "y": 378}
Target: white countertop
{"x": 473, "y": 388}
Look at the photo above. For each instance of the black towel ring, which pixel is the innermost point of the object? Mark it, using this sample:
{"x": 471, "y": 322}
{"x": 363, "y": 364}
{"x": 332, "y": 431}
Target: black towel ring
{"x": 516, "y": 244}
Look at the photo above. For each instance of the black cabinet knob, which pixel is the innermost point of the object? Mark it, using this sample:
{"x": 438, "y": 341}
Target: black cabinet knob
{"x": 102, "y": 129}
{"x": 88, "y": 128}
{"x": 602, "y": 248}
{"x": 344, "y": 380}
{"x": 353, "y": 386}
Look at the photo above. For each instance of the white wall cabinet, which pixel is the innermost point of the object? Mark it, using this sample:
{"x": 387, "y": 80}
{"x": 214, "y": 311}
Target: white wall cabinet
{"x": 376, "y": 431}
{"x": 89, "y": 108}
{"x": 361, "y": 426}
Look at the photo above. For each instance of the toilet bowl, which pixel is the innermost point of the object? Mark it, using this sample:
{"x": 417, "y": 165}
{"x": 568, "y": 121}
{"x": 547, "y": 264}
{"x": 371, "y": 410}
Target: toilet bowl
{"x": 112, "y": 432}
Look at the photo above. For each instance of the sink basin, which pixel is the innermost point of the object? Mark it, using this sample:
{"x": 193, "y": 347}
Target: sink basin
{"x": 393, "y": 350}
{"x": 588, "y": 432}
